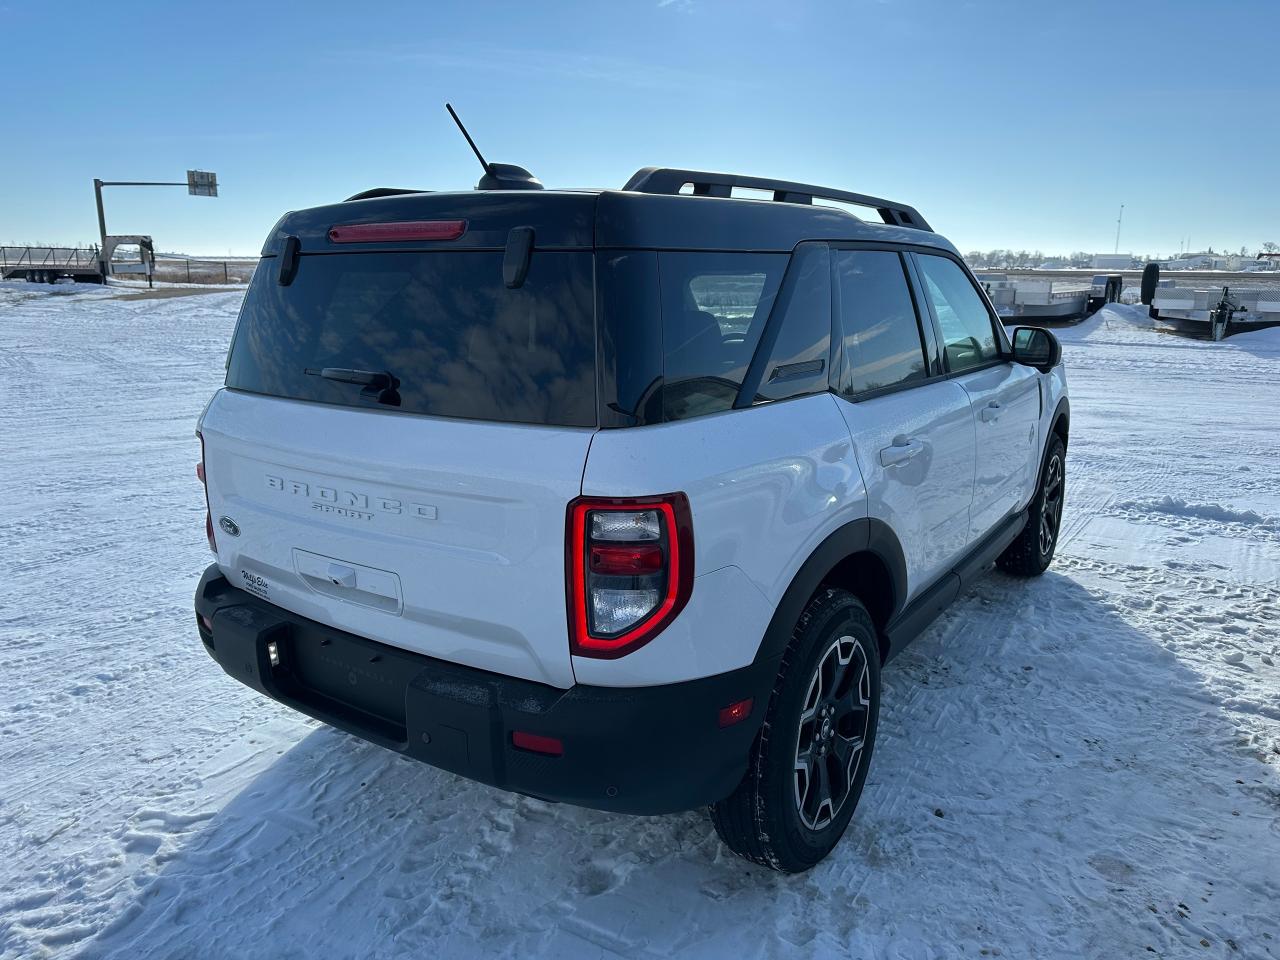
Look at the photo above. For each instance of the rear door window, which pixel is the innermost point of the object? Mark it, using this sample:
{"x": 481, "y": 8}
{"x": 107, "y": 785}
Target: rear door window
{"x": 714, "y": 308}
{"x": 968, "y": 331}
{"x": 882, "y": 344}
{"x": 458, "y": 340}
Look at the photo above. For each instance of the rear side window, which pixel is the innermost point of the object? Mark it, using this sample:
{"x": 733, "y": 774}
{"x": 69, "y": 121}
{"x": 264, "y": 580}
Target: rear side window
{"x": 968, "y": 335}
{"x": 797, "y": 363}
{"x": 444, "y": 324}
{"x": 882, "y": 345}
{"x": 714, "y": 307}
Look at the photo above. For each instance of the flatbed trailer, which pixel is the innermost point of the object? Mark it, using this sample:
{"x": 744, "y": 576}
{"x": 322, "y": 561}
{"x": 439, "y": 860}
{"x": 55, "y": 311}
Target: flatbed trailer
{"x": 1023, "y": 298}
{"x": 1215, "y": 310}
{"x": 50, "y": 264}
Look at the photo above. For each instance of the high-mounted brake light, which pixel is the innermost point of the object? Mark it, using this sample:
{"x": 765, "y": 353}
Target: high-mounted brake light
{"x": 208, "y": 512}
{"x": 396, "y": 231}
{"x": 629, "y": 567}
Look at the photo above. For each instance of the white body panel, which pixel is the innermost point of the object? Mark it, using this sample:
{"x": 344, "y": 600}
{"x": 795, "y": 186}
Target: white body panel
{"x": 766, "y": 485}
{"x": 464, "y": 520}
{"x": 925, "y": 496}
{"x": 1006, "y": 407}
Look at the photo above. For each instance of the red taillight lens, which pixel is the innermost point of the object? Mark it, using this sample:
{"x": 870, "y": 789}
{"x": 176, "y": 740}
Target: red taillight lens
{"x": 620, "y": 561}
{"x": 208, "y": 513}
{"x": 400, "y": 230}
{"x": 629, "y": 566}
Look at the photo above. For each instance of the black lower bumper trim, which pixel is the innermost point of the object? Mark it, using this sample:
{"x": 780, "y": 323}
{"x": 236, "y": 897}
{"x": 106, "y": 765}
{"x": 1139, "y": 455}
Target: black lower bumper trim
{"x": 633, "y": 750}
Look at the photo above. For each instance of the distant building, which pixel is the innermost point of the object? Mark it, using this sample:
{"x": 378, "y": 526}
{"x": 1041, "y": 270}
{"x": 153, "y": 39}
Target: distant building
{"x": 1196, "y": 261}
{"x": 1112, "y": 261}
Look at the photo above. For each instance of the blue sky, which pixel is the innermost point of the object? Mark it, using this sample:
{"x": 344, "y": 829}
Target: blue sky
{"x": 1020, "y": 124}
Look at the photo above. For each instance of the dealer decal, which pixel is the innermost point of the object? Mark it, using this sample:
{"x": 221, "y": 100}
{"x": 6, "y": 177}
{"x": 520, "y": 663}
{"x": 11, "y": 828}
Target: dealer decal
{"x": 255, "y": 583}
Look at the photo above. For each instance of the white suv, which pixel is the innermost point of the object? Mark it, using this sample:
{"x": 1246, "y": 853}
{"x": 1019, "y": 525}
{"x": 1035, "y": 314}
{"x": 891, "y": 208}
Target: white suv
{"x": 619, "y": 498}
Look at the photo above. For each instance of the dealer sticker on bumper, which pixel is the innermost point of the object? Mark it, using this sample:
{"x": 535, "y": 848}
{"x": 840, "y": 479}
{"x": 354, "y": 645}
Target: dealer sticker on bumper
{"x": 255, "y": 583}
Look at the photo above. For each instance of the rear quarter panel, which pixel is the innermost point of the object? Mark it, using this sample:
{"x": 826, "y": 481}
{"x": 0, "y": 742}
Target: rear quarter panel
{"x": 766, "y": 485}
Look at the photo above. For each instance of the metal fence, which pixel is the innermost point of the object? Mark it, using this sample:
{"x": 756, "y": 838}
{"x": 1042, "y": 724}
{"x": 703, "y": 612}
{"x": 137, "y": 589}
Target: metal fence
{"x": 184, "y": 270}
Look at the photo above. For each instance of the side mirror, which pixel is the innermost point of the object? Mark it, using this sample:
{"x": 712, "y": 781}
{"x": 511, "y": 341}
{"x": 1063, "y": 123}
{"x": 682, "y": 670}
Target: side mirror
{"x": 1036, "y": 347}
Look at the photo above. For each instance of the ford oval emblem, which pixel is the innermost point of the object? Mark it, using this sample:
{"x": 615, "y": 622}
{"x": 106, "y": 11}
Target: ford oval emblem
{"x": 229, "y": 526}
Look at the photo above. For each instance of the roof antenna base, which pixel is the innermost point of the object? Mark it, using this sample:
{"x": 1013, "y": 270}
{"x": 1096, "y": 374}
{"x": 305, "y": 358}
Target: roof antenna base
{"x": 497, "y": 176}
{"x": 508, "y": 176}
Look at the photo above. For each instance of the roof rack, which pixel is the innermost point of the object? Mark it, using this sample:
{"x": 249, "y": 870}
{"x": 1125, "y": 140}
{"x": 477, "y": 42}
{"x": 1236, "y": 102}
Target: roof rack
{"x": 668, "y": 180}
{"x": 381, "y": 192}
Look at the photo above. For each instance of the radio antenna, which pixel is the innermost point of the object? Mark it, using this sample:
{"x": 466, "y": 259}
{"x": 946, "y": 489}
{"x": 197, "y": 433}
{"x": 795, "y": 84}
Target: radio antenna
{"x": 474, "y": 149}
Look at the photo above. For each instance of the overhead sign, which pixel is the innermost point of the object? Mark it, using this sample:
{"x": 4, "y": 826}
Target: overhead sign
{"x": 201, "y": 183}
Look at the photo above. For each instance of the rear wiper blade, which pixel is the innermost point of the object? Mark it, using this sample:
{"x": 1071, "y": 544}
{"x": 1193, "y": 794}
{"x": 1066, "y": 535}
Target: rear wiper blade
{"x": 365, "y": 378}
{"x": 380, "y": 386}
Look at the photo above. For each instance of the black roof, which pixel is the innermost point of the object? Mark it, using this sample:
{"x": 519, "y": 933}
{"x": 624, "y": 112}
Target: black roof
{"x": 649, "y": 214}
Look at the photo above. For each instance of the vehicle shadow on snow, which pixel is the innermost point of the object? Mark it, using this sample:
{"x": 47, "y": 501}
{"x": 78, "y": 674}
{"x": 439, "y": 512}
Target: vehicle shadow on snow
{"x": 1041, "y": 786}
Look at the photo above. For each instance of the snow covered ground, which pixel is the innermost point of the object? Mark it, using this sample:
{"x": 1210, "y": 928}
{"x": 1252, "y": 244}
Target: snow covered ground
{"x": 1083, "y": 766}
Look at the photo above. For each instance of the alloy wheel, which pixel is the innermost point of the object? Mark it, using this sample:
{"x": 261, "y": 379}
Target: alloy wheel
{"x": 1051, "y": 505}
{"x": 832, "y": 734}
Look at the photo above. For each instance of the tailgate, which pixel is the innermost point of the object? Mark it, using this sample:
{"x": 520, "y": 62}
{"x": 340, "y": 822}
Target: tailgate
{"x": 440, "y": 536}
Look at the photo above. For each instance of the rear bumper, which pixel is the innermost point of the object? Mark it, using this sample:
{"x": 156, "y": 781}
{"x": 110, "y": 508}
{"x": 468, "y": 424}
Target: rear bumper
{"x": 642, "y": 750}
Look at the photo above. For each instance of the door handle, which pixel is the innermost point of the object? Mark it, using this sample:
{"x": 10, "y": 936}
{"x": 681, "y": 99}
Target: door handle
{"x": 991, "y": 412}
{"x": 900, "y": 451}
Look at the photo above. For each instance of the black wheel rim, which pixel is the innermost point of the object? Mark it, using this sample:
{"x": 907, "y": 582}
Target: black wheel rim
{"x": 832, "y": 736}
{"x": 1051, "y": 505}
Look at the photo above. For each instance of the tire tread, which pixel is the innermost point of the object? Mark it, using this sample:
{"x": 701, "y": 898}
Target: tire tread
{"x": 743, "y": 819}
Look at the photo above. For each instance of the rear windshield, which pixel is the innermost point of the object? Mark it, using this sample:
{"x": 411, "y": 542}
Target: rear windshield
{"x": 460, "y": 343}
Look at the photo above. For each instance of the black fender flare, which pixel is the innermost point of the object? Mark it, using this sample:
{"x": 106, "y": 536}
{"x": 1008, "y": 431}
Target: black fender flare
{"x": 866, "y": 535}
{"x": 1061, "y": 414}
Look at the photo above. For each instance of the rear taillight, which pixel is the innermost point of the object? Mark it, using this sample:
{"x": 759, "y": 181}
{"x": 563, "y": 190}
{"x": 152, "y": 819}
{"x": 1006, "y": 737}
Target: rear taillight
{"x": 208, "y": 513}
{"x": 629, "y": 564}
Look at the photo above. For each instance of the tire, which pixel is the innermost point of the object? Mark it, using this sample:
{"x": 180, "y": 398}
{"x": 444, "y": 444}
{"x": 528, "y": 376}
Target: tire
{"x": 1031, "y": 554}
{"x": 823, "y": 710}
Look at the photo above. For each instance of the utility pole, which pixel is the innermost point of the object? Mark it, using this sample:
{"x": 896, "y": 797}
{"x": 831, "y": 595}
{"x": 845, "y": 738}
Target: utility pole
{"x": 1118, "y": 221}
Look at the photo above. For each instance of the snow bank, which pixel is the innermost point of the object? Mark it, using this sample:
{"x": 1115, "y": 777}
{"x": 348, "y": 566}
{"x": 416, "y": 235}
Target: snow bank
{"x": 1204, "y": 511}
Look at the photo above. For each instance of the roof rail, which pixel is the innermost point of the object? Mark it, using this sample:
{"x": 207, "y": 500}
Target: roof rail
{"x": 381, "y": 192}
{"x": 706, "y": 184}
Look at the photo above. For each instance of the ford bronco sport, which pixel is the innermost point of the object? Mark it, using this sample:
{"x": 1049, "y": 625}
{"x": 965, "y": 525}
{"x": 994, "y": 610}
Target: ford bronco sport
{"x": 619, "y": 498}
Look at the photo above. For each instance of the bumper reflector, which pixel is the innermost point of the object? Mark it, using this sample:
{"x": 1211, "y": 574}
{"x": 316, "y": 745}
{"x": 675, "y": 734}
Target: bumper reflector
{"x": 736, "y": 712}
{"x": 536, "y": 743}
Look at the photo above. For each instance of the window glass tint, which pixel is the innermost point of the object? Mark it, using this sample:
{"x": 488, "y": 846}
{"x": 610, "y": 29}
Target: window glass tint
{"x": 630, "y": 337}
{"x": 714, "y": 306}
{"x": 798, "y": 361}
{"x": 882, "y": 345}
{"x": 968, "y": 337}
{"x": 460, "y": 342}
